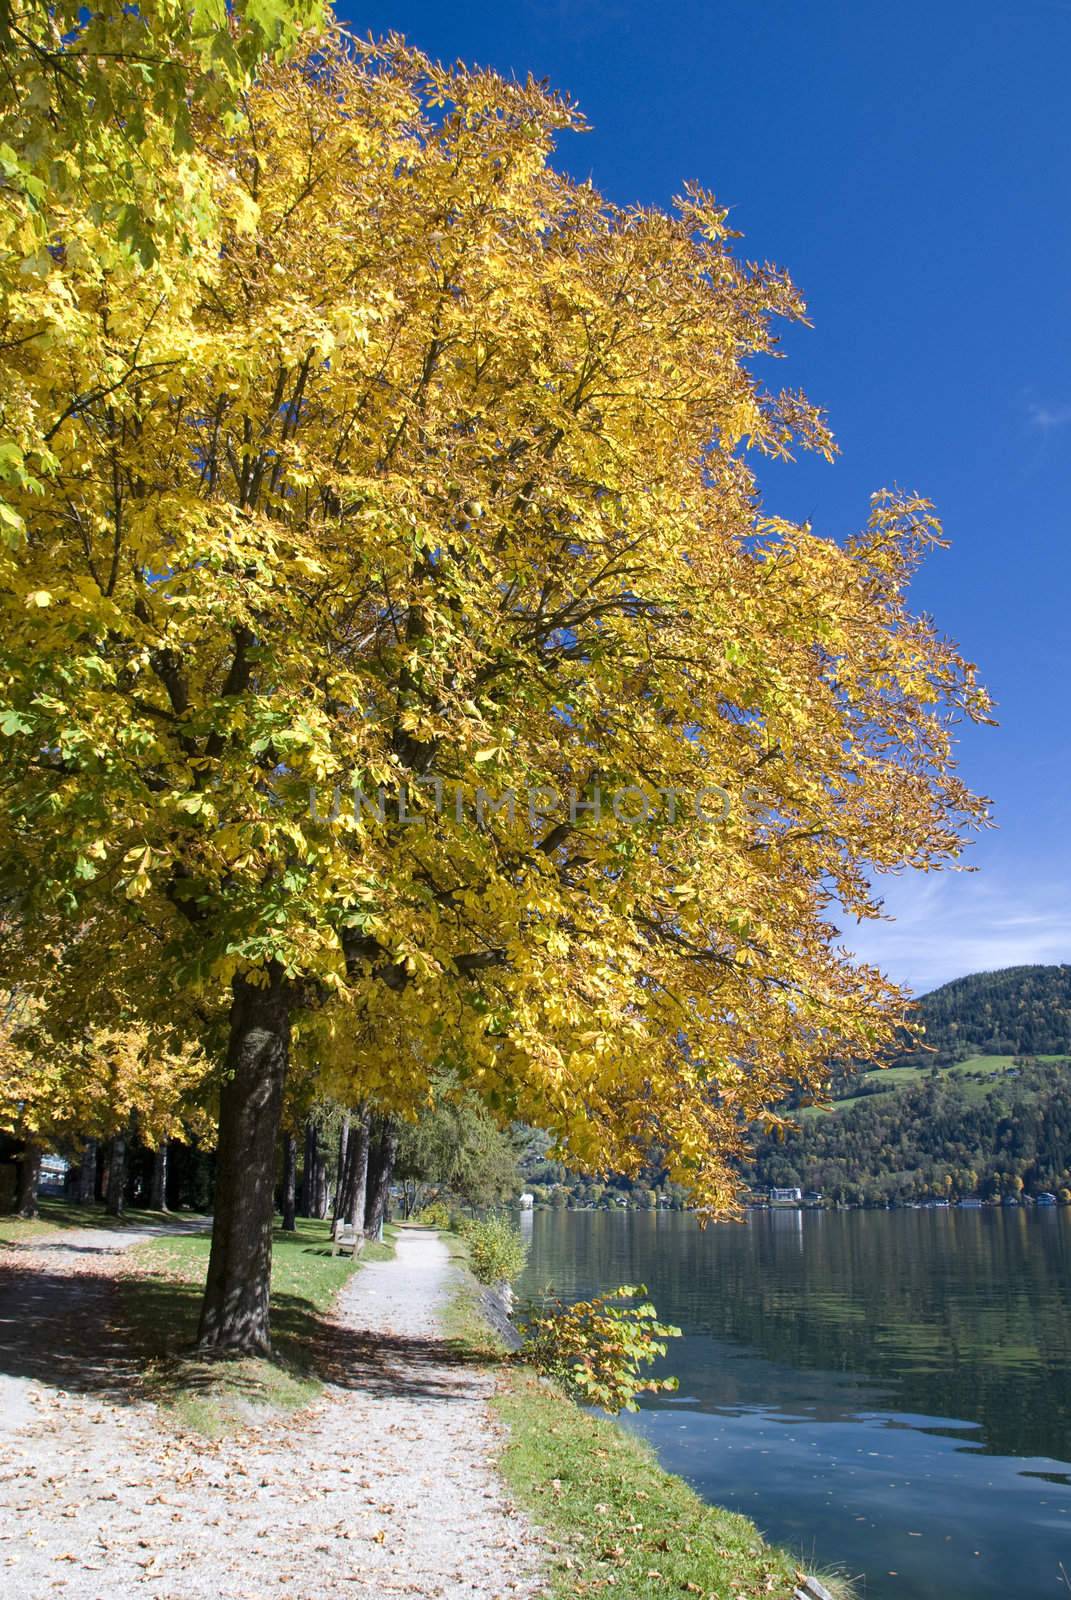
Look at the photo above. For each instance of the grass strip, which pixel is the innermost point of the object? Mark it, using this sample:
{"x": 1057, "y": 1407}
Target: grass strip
{"x": 57, "y": 1216}
{"x": 617, "y": 1521}
{"x": 161, "y": 1299}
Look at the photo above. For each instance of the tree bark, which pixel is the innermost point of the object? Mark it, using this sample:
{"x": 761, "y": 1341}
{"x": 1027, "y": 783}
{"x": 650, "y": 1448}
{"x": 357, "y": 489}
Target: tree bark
{"x": 320, "y": 1203}
{"x": 360, "y": 1135}
{"x": 380, "y": 1171}
{"x": 234, "y": 1313}
{"x": 345, "y": 1175}
{"x": 351, "y": 1197}
{"x": 309, "y": 1186}
{"x": 289, "y": 1183}
{"x": 87, "y": 1173}
{"x": 117, "y": 1176}
{"x": 343, "y": 1160}
{"x": 29, "y": 1178}
{"x": 158, "y": 1196}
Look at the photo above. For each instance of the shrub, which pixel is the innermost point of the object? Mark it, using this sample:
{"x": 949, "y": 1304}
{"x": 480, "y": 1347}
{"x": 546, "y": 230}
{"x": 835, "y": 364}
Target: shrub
{"x": 496, "y": 1250}
{"x": 596, "y": 1348}
{"x": 434, "y": 1215}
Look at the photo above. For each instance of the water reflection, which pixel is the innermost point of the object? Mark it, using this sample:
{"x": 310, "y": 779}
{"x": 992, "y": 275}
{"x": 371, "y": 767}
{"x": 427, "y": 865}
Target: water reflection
{"x": 888, "y": 1390}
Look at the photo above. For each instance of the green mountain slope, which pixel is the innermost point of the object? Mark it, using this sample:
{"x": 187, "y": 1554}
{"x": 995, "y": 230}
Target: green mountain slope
{"x": 1016, "y": 1011}
{"x": 984, "y": 1108}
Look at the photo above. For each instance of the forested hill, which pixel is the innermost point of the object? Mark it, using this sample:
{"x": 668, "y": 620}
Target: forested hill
{"x": 941, "y": 1135}
{"x": 983, "y": 1109}
{"x": 1016, "y": 1011}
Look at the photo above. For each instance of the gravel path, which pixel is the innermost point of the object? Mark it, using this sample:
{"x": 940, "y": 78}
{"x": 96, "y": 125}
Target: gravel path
{"x": 91, "y": 1241}
{"x": 59, "y": 1317}
{"x": 384, "y": 1487}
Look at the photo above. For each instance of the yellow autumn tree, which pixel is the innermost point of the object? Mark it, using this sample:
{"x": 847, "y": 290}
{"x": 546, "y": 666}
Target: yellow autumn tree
{"x": 428, "y": 493}
{"x": 56, "y": 1091}
{"x": 99, "y": 166}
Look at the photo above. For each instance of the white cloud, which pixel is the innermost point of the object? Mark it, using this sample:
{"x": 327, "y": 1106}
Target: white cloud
{"x": 947, "y": 925}
{"x": 1049, "y": 417}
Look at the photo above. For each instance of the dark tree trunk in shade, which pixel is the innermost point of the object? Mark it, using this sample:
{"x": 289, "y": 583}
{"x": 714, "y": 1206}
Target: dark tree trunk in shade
{"x": 29, "y": 1178}
{"x": 116, "y": 1199}
{"x": 289, "y": 1207}
{"x": 311, "y": 1161}
{"x": 234, "y": 1313}
{"x": 158, "y": 1195}
{"x": 321, "y": 1186}
{"x": 381, "y": 1157}
{"x": 345, "y": 1174}
{"x": 87, "y": 1173}
{"x": 349, "y": 1204}
{"x": 343, "y": 1158}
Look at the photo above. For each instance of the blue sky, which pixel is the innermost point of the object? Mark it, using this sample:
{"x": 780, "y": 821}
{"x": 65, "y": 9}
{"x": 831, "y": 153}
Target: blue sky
{"x": 911, "y": 166}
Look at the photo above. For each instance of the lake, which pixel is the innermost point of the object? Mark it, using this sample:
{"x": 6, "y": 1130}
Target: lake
{"x": 887, "y": 1392}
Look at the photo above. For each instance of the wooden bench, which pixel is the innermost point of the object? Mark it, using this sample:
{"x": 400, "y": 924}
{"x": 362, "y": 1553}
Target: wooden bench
{"x": 347, "y": 1240}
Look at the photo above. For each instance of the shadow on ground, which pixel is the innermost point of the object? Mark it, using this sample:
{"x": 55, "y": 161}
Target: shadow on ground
{"x": 392, "y": 1364}
{"x": 126, "y": 1337}
{"x": 65, "y": 1330}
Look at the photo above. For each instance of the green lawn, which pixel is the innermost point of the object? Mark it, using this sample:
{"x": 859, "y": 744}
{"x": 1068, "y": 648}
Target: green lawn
{"x": 615, "y": 1516}
{"x": 161, "y": 1302}
{"x": 58, "y": 1215}
{"x": 466, "y": 1328}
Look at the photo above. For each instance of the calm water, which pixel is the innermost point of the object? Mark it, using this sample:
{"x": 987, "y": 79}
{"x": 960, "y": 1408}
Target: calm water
{"x": 890, "y": 1392}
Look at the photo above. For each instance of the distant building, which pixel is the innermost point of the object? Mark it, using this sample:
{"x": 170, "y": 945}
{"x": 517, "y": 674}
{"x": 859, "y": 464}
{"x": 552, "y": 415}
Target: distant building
{"x": 785, "y": 1197}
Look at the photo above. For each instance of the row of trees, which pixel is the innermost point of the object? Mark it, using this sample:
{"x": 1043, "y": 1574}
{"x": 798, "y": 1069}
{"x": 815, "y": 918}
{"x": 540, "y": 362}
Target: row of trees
{"x": 95, "y": 1090}
{"x": 361, "y": 470}
{"x": 550, "y": 1181}
{"x": 341, "y": 1164}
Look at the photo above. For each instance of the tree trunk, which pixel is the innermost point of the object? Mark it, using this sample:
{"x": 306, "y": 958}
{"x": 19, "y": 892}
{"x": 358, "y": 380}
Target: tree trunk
{"x": 351, "y": 1197}
{"x": 345, "y": 1175}
{"x": 87, "y": 1174}
{"x": 29, "y": 1178}
{"x": 359, "y": 1142}
{"x": 380, "y": 1171}
{"x": 158, "y": 1196}
{"x": 308, "y": 1170}
{"x": 289, "y": 1183}
{"x": 234, "y": 1313}
{"x": 343, "y": 1161}
{"x": 320, "y": 1203}
{"x": 117, "y": 1176}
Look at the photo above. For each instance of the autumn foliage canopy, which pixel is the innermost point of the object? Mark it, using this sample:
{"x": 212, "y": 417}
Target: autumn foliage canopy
{"x": 418, "y": 467}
